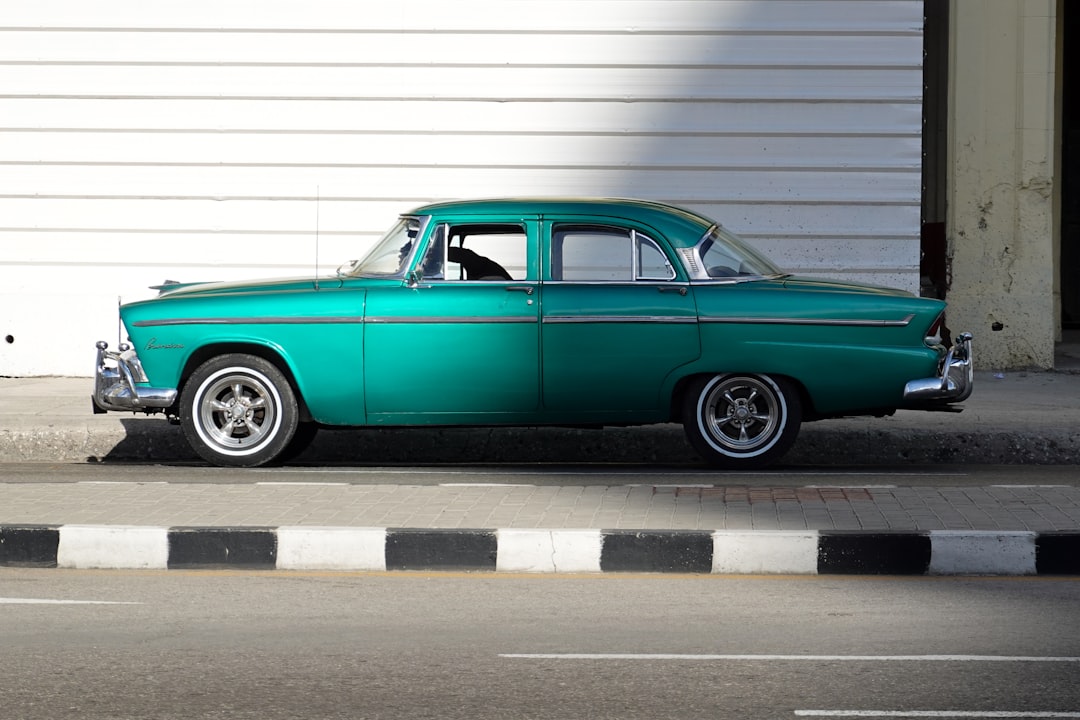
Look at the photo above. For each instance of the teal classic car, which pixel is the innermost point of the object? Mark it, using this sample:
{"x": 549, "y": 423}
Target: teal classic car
{"x": 530, "y": 313}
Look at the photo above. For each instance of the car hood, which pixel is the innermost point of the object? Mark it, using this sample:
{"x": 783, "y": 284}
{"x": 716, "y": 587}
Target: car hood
{"x": 838, "y": 286}
{"x": 290, "y": 284}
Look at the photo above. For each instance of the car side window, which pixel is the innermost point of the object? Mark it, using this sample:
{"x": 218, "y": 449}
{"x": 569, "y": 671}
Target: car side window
{"x": 602, "y": 254}
{"x": 476, "y": 251}
{"x": 652, "y": 263}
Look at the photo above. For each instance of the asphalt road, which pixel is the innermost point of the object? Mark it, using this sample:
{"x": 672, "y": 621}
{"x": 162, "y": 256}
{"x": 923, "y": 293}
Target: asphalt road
{"x": 280, "y": 645}
{"x": 554, "y": 474}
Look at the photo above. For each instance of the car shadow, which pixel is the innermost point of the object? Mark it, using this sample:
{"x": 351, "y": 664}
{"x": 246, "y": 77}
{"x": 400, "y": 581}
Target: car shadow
{"x": 161, "y": 442}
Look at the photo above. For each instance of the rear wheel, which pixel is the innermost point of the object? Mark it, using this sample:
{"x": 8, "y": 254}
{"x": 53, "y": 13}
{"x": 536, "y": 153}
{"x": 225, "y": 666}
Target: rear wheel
{"x": 238, "y": 410}
{"x": 742, "y": 421}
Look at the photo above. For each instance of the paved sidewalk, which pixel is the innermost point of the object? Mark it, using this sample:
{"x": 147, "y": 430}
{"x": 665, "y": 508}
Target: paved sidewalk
{"x": 617, "y": 507}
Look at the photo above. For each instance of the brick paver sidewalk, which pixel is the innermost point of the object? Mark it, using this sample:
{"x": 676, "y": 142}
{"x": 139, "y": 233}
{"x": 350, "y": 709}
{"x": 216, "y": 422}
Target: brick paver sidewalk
{"x": 644, "y": 506}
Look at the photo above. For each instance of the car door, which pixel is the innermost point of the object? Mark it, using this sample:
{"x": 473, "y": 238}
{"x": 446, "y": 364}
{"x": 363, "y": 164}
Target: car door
{"x": 617, "y": 320}
{"x": 458, "y": 342}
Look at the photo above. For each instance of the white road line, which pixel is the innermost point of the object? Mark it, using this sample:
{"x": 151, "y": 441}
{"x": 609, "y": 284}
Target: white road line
{"x": 593, "y": 470}
{"x": 486, "y": 485}
{"x": 851, "y": 487}
{"x": 871, "y": 473}
{"x": 43, "y": 601}
{"x": 122, "y": 482}
{"x": 1031, "y": 487}
{"x": 689, "y": 486}
{"x": 934, "y": 714}
{"x": 288, "y": 483}
{"x": 789, "y": 658}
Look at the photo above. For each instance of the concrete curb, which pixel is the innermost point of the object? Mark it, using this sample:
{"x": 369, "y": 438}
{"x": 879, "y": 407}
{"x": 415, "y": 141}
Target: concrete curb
{"x": 541, "y": 551}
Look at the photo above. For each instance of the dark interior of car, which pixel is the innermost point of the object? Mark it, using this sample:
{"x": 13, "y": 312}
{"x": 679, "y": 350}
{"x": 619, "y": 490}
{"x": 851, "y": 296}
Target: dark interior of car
{"x": 477, "y": 267}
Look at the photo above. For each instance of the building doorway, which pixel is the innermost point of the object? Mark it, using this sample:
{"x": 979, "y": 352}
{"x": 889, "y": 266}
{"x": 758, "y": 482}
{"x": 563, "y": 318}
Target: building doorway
{"x": 934, "y": 269}
{"x": 1069, "y": 267}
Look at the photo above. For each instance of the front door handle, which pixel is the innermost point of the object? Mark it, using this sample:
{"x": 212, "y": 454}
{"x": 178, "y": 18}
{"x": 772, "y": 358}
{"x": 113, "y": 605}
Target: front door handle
{"x": 672, "y": 288}
{"x": 527, "y": 289}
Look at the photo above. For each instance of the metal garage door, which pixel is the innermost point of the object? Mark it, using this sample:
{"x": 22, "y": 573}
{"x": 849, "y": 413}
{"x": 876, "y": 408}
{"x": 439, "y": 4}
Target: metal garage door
{"x": 211, "y": 139}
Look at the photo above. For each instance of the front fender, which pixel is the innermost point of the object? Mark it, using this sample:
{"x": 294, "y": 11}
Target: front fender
{"x": 317, "y": 337}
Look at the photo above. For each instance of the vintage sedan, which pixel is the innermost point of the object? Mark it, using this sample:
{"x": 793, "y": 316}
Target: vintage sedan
{"x": 530, "y": 313}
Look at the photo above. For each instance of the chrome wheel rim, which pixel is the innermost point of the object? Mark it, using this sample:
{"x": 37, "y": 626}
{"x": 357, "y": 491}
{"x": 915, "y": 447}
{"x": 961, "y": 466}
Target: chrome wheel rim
{"x": 741, "y": 415}
{"x": 238, "y": 411}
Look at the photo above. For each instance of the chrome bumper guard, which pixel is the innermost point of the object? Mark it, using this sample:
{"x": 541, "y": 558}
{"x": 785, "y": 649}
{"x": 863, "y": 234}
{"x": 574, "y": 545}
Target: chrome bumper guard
{"x": 116, "y": 386}
{"x": 955, "y": 381}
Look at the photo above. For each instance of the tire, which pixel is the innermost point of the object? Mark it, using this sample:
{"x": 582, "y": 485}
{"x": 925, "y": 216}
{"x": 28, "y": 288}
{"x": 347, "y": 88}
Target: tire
{"x": 742, "y": 421}
{"x": 301, "y": 441}
{"x": 239, "y": 411}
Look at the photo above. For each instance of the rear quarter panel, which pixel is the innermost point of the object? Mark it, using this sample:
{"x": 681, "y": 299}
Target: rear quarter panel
{"x": 850, "y": 350}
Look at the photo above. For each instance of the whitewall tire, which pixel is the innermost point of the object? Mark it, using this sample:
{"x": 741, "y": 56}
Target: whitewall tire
{"x": 238, "y": 410}
{"x": 742, "y": 421}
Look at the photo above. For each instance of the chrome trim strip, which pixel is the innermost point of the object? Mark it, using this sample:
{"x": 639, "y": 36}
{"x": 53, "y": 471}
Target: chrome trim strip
{"x": 569, "y": 319}
{"x": 346, "y": 320}
{"x": 832, "y": 322}
{"x": 470, "y": 320}
{"x": 736, "y": 280}
{"x": 357, "y": 320}
{"x": 621, "y": 283}
{"x": 335, "y": 320}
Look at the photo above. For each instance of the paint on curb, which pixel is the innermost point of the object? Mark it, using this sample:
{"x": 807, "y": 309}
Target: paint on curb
{"x": 254, "y": 548}
{"x": 542, "y": 551}
{"x": 408, "y": 549}
{"x": 29, "y": 545}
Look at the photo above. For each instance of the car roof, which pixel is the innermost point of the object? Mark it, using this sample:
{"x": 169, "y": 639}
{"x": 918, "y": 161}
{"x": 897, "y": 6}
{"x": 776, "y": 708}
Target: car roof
{"x": 678, "y": 225}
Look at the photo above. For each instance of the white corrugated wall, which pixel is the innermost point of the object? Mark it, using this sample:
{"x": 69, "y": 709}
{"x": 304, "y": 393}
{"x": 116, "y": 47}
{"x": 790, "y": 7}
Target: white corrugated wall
{"x": 210, "y": 139}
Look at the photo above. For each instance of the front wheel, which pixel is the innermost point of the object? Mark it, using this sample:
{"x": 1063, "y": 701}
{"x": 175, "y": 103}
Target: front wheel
{"x": 301, "y": 441}
{"x": 238, "y": 410}
{"x": 742, "y": 421}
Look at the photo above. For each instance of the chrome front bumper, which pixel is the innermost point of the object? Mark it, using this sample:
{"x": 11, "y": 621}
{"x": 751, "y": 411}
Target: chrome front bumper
{"x": 116, "y": 383}
{"x": 954, "y": 382}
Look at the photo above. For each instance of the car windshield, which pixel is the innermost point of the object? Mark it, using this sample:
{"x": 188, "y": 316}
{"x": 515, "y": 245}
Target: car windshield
{"x": 390, "y": 255}
{"x": 725, "y": 255}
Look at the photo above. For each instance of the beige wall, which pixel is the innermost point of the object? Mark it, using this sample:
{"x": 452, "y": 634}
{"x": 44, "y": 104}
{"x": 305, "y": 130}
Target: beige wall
{"x": 1001, "y": 197}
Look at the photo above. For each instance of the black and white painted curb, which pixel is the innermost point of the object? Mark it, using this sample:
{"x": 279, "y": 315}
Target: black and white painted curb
{"x": 964, "y": 552}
